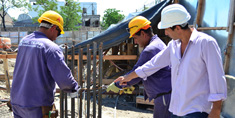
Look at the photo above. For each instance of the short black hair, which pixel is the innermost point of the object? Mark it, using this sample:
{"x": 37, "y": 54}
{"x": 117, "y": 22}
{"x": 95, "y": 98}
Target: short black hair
{"x": 185, "y": 27}
{"x": 148, "y": 31}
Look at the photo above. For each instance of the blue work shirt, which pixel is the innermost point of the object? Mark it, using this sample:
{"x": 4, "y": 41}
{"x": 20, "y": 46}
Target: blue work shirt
{"x": 160, "y": 81}
{"x": 39, "y": 64}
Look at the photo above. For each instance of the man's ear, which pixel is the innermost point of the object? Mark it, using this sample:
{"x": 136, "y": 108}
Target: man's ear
{"x": 178, "y": 27}
{"x": 52, "y": 29}
{"x": 142, "y": 33}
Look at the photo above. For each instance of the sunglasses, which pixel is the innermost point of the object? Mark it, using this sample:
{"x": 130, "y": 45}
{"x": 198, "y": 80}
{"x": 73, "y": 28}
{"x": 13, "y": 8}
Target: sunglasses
{"x": 58, "y": 29}
{"x": 128, "y": 29}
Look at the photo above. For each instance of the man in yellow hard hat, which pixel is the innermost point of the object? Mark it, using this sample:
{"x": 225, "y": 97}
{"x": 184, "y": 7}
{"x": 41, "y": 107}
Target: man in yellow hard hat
{"x": 158, "y": 85}
{"x": 198, "y": 81}
{"x": 39, "y": 66}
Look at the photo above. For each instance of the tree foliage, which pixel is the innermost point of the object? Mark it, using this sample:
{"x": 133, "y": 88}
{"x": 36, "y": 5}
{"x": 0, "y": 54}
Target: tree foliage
{"x": 111, "y": 16}
{"x": 5, "y": 5}
{"x": 44, "y": 5}
{"x": 70, "y": 14}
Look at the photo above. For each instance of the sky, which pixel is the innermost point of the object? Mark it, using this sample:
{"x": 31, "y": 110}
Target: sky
{"x": 126, "y": 6}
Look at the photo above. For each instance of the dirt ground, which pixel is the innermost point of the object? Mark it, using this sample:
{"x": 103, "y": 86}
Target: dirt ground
{"x": 125, "y": 107}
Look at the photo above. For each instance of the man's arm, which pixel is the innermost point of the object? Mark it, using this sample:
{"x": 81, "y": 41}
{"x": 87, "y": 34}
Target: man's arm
{"x": 124, "y": 79}
{"x": 217, "y": 81}
{"x": 216, "y": 109}
{"x": 159, "y": 61}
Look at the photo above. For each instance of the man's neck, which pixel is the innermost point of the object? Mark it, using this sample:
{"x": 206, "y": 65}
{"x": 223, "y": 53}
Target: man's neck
{"x": 186, "y": 34}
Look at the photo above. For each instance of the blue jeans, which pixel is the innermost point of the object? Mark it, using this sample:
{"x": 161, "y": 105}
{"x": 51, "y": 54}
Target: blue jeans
{"x": 192, "y": 115}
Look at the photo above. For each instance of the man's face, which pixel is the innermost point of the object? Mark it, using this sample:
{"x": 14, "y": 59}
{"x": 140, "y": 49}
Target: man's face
{"x": 171, "y": 33}
{"x": 56, "y": 32}
{"x": 140, "y": 40}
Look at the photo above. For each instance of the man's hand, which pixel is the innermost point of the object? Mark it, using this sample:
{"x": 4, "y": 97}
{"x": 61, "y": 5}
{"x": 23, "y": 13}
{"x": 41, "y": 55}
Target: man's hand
{"x": 112, "y": 87}
{"x": 214, "y": 114}
{"x": 127, "y": 78}
{"x": 118, "y": 79}
{"x": 215, "y": 111}
{"x": 74, "y": 94}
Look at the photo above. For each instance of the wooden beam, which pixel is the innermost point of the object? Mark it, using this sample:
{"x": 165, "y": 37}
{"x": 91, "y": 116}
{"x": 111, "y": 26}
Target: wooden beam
{"x": 227, "y": 53}
{"x": 211, "y": 28}
{"x": 199, "y": 13}
{"x": 6, "y": 73}
{"x": 176, "y": 1}
{"x": 230, "y": 37}
{"x": 8, "y": 56}
{"x": 109, "y": 57}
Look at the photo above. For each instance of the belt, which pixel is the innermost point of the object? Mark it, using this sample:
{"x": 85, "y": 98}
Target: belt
{"x": 161, "y": 94}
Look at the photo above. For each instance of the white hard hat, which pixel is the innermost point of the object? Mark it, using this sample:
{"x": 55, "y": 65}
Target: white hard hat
{"x": 172, "y": 15}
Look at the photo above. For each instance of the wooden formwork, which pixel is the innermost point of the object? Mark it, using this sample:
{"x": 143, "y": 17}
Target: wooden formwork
{"x": 4, "y": 56}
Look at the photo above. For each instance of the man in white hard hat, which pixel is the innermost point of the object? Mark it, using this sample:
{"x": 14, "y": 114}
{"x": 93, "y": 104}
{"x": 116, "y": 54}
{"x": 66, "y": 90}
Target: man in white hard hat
{"x": 198, "y": 81}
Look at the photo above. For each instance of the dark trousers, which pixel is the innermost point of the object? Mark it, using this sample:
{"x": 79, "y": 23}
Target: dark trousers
{"x": 161, "y": 106}
{"x": 192, "y": 115}
{"x": 22, "y": 112}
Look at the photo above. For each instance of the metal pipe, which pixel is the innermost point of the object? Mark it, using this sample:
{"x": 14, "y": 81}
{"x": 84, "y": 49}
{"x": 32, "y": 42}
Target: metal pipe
{"x": 100, "y": 80}
{"x": 80, "y": 79}
{"x": 94, "y": 78}
{"x": 88, "y": 79}
{"x": 115, "y": 107}
{"x": 61, "y": 104}
{"x": 65, "y": 94}
{"x": 72, "y": 99}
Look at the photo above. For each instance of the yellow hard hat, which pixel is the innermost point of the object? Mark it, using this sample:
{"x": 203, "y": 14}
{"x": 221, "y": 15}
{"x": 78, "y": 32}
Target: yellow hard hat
{"x": 137, "y": 23}
{"x": 53, "y": 18}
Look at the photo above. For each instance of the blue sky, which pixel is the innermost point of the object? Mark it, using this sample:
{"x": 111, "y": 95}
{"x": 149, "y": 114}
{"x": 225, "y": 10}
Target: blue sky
{"x": 126, "y": 6}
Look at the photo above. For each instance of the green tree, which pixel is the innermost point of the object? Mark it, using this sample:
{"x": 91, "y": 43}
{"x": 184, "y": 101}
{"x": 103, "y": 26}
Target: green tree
{"x": 5, "y": 5}
{"x": 44, "y": 5}
{"x": 70, "y": 14}
{"x": 111, "y": 16}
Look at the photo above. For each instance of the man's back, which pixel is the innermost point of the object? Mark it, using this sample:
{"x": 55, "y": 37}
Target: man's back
{"x": 38, "y": 65}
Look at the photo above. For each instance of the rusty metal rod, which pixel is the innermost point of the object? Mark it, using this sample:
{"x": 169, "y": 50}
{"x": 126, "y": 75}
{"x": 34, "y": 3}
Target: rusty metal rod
{"x": 65, "y": 94}
{"x": 100, "y": 80}
{"x": 72, "y": 99}
{"x": 94, "y": 78}
{"x": 80, "y": 79}
{"x": 88, "y": 80}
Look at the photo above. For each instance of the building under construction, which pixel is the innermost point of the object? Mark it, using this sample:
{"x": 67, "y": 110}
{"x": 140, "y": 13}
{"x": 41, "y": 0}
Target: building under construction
{"x": 98, "y": 61}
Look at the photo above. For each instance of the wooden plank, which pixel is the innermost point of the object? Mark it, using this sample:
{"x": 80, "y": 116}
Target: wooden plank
{"x": 140, "y": 100}
{"x": 227, "y": 53}
{"x": 211, "y": 28}
{"x": 8, "y": 56}
{"x": 104, "y": 81}
{"x": 108, "y": 57}
{"x": 199, "y": 12}
{"x": 230, "y": 37}
{"x": 5, "y": 66}
{"x": 231, "y": 16}
{"x": 176, "y": 1}
{"x": 2, "y": 77}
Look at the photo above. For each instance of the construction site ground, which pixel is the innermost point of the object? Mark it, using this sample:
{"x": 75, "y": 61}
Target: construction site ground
{"x": 125, "y": 107}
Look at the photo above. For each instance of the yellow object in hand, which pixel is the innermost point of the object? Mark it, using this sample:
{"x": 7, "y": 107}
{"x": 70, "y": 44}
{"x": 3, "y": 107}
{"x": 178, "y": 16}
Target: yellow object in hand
{"x": 127, "y": 90}
{"x": 112, "y": 87}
